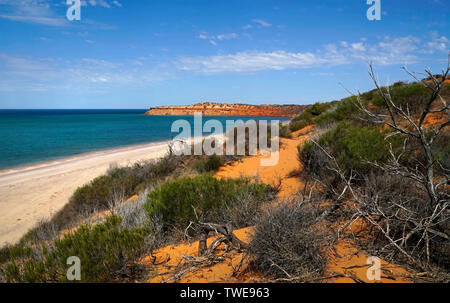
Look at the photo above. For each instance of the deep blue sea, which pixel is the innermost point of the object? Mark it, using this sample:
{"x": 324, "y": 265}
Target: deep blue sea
{"x": 33, "y": 136}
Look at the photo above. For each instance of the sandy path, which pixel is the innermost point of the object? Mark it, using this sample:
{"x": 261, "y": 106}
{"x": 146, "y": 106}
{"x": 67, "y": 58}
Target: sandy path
{"x": 32, "y": 193}
{"x": 275, "y": 175}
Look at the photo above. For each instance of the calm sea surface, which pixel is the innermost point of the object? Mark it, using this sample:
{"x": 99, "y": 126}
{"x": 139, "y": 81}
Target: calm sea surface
{"x": 33, "y": 136}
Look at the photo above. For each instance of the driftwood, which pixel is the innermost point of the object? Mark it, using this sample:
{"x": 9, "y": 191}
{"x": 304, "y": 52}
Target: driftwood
{"x": 228, "y": 237}
{"x": 206, "y": 256}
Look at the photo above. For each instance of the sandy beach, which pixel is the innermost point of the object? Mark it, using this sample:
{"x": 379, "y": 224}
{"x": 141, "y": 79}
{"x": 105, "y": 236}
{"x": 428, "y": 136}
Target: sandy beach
{"x": 36, "y": 192}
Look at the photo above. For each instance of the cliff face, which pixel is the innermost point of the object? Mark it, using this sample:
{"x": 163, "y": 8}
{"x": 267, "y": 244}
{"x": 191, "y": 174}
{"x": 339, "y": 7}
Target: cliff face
{"x": 221, "y": 109}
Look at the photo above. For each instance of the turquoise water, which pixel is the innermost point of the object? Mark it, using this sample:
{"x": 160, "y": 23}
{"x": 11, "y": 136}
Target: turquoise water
{"x": 33, "y": 136}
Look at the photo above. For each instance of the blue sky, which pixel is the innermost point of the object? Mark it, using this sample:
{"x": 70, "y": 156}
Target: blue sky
{"x": 139, "y": 54}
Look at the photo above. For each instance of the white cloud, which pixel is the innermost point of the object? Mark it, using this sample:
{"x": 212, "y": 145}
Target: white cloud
{"x": 438, "y": 43}
{"x": 37, "y": 74}
{"x": 50, "y": 21}
{"x": 262, "y": 22}
{"x": 227, "y": 36}
{"x": 26, "y": 73}
{"x": 101, "y": 3}
{"x": 41, "y": 11}
{"x": 214, "y": 38}
{"x": 254, "y": 61}
{"x": 389, "y": 51}
{"x": 31, "y": 11}
{"x": 358, "y": 46}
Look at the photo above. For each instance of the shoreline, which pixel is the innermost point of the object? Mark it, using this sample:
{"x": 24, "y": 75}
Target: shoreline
{"x": 36, "y": 192}
{"x": 66, "y": 159}
{"x": 63, "y": 159}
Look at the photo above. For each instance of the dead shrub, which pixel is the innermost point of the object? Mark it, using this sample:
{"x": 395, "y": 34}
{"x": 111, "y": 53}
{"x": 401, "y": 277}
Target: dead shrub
{"x": 289, "y": 242}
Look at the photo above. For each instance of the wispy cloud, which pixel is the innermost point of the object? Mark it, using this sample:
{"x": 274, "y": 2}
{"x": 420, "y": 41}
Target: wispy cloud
{"x": 262, "y": 22}
{"x": 19, "y": 73}
{"x": 102, "y": 3}
{"x": 252, "y": 61}
{"x": 388, "y": 51}
{"x": 31, "y": 11}
{"x": 43, "y": 11}
{"x": 117, "y": 3}
{"x": 214, "y": 38}
{"x": 439, "y": 43}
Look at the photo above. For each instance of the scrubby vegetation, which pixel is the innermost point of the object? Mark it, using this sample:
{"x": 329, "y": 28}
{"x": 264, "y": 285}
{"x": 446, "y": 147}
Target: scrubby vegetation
{"x": 380, "y": 156}
{"x": 212, "y": 163}
{"x": 104, "y": 251}
{"x": 353, "y": 145}
{"x": 290, "y": 242}
{"x": 285, "y": 131}
{"x": 373, "y": 159}
{"x": 202, "y": 198}
{"x": 109, "y": 245}
{"x": 119, "y": 183}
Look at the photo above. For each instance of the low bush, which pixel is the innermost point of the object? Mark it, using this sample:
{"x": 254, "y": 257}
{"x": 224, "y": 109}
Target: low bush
{"x": 200, "y": 198}
{"x": 118, "y": 183}
{"x": 398, "y": 205}
{"x": 346, "y": 109}
{"x": 104, "y": 250}
{"x": 289, "y": 243}
{"x": 211, "y": 163}
{"x": 413, "y": 95}
{"x": 311, "y": 114}
{"x": 285, "y": 131}
{"x": 298, "y": 125}
{"x": 352, "y": 145}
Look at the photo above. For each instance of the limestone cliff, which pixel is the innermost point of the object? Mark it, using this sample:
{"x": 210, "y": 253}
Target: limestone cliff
{"x": 222, "y": 109}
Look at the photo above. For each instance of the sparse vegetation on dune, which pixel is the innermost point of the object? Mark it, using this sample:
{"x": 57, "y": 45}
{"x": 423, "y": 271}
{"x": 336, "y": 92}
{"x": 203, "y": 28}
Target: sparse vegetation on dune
{"x": 384, "y": 160}
{"x": 203, "y": 198}
{"x": 373, "y": 159}
{"x": 105, "y": 250}
{"x": 110, "y": 243}
{"x": 290, "y": 242}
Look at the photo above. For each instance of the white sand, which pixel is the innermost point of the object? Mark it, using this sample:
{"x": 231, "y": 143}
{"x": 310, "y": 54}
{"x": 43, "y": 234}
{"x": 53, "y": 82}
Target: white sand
{"x": 38, "y": 192}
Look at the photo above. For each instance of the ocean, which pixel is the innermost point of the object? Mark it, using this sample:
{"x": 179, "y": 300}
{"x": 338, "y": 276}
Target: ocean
{"x": 33, "y": 136}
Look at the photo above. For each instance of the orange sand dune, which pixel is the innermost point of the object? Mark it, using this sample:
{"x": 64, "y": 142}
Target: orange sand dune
{"x": 169, "y": 258}
{"x": 345, "y": 259}
{"x": 274, "y": 175}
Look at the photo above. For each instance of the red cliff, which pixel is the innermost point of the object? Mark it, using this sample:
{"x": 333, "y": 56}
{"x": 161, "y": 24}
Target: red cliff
{"x": 222, "y": 109}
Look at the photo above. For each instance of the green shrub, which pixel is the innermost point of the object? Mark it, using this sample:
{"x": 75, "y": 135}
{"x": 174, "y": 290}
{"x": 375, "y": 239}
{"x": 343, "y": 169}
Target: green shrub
{"x": 310, "y": 115}
{"x": 414, "y": 95}
{"x": 104, "y": 250}
{"x": 304, "y": 116}
{"x": 325, "y": 119}
{"x": 212, "y": 163}
{"x": 297, "y": 125}
{"x": 126, "y": 181}
{"x": 352, "y": 145}
{"x": 183, "y": 200}
{"x": 285, "y": 131}
{"x": 346, "y": 109}
{"x": 318, "y": 108}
